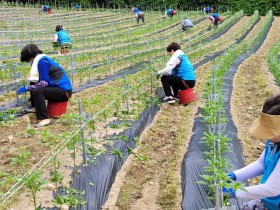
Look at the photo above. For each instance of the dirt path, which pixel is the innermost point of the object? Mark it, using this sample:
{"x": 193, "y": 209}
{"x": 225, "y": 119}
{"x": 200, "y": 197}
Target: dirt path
{"x": 253, "y": 83}
{"x": 155, "y": 183}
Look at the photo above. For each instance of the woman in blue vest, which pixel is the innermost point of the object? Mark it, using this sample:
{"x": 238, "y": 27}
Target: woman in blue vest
{"x": 61, "y": 40}
{"x": 178, "y": 74}
{"x": 266, "y": 195}
{"x": 170, "y": 13}
{"x": 214, "y": 18}
{"x": 49, "y": 82}
{"x": 138, "y": 14}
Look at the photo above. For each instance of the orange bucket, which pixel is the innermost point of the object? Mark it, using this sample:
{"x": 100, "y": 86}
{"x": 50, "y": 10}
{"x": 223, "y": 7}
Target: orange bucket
{"x": 186, "y": 96}
{"x": 56, "y": 109}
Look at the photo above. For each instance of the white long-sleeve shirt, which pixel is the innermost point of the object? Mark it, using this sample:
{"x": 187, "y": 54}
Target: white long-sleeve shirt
{"x": 270, "y": 188}
{"x": 55, "y": 39}
{"x": 171, "y": 64}
{"x": 167, "y": 70}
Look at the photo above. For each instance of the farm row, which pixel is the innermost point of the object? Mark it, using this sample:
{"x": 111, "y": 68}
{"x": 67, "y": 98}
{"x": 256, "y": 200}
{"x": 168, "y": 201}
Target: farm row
{"x": 113, "y": 107}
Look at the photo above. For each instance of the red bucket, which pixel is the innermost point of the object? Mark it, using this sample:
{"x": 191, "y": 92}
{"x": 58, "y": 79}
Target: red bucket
{"x": 186, "y": 96}
{"x": 56, "y": 109}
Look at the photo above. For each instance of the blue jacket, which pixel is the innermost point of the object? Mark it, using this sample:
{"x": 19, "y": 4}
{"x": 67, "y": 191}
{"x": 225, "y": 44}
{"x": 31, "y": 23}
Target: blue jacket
{"x": 53, "y": 73}
{"x": 63, "y": 37}
{"x": 184, "y": 69}
{"x": 270, "y": 160}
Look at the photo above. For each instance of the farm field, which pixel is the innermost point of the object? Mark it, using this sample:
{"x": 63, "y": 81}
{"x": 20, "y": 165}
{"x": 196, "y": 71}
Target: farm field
{"x": 119, "y": 146}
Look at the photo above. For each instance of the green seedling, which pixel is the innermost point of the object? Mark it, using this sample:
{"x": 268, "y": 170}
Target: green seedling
{"x": 21, "y": 159}
{"x": 33, "y": 182}
{"x": 116, "y": 152}
{"x": 138, "y": 156}
{"x": 71, "y": 198}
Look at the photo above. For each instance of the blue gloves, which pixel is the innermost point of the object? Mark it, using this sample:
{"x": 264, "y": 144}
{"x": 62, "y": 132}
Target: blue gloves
{"x": 228, "y": 192}
{"x": 22, "y": 90}
{"x": 232, "y": 176}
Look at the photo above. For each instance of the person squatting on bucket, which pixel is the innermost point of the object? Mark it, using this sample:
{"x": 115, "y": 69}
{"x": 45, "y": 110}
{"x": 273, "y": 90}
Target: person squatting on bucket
{"x": 49, "y": 81}
{"x": 187, "y": 23}
{"x": 61, "y": 40}
{"x": 178, "y": 73}
{"x": 170, "y": 13}
{"x": 266, "y": 195}
{"x": 138, "y": 14}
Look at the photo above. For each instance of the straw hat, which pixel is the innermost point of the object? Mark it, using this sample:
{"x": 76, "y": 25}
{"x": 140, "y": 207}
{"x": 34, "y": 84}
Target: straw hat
{"x": 266, "y": 127}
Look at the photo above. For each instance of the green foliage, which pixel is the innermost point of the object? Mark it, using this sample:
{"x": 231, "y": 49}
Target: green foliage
{"x": 21, "y": 159}
{"x": 71, "y": 197}
{"x": 116, "y": 152}
{"x": 33, "y": 182}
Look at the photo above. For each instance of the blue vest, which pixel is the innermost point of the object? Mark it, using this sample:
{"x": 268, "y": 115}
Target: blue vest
{"x": 215, "y": 15}
{"x": 136, "y": 11}
{"x": 63, "y": 37}
{"x": 207, "y": 9}
{"x": 57, "y": 75}
{"x": 169, "y": 11}
{"x": 184, "y": 69}
{"x": 270, "y": 160}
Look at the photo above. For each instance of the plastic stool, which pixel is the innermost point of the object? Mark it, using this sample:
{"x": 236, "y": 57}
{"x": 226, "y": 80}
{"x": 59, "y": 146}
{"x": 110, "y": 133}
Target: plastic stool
{"x": 56, "y": 109}
{"x": 186, "y": 96}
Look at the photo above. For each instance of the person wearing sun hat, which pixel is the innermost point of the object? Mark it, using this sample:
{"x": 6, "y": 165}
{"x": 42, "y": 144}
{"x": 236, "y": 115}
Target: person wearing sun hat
{"x": 266, "y": 195}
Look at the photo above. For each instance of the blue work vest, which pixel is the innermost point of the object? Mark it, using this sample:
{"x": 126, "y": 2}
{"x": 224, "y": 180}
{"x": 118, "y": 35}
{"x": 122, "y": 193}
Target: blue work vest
{"x": 63, "y": 37}
{"x": 270, "y": 160}
{"x": 184, "y": 69}
{"x": 215, "y": 15}
{"x": 169, "y": 11}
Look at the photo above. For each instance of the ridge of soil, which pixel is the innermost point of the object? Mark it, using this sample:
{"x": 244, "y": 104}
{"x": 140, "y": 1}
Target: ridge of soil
{"x": 156, "y": 183}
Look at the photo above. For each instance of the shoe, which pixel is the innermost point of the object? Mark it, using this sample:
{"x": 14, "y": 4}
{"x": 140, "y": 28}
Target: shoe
{"x": 43, "y": 123}
{"x": 30, "y": 110}
{"x": 176, "y": 98}
{"x": 169, "y": 100}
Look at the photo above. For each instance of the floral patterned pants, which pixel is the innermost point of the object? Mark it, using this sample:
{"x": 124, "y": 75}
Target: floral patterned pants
{"x": 254, "y": 205}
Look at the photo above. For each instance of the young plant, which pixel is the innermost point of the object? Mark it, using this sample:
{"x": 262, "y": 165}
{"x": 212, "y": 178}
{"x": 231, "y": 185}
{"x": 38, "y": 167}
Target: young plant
{"x": 33, "y": 182}
{"x": 116, "y": 152}
{"x": 71, "y": 198}
{"x": 21, "y": 159}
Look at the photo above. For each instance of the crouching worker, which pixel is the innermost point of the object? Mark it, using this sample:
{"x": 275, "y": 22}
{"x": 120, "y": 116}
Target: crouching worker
{"x": 214, "y": 18}
{"x": 77, "y": 7}
{"x": 49, "y": 82}
{"x": 46, "y": 8}
{"x": 266, "y": 194}
{"x": 170, "y": 13}
{"x": 178, "y": 74}
{"x": 61, "y": 41}
{"x": 187, "y": 23}
{"x": 138, "y": 14}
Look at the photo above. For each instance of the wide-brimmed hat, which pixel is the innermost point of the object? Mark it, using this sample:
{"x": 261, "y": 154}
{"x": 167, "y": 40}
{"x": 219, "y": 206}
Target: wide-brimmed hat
{"x": 266, "y": 126}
